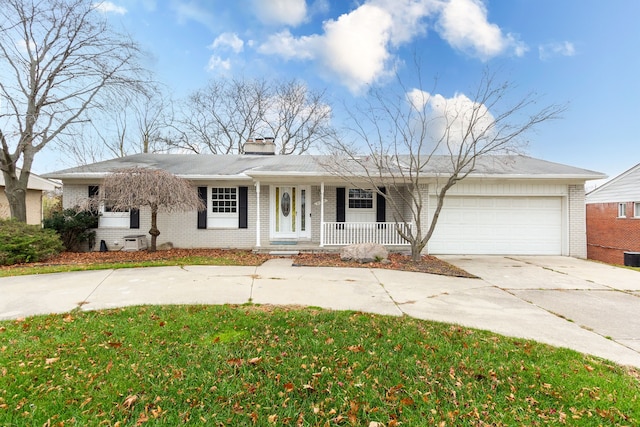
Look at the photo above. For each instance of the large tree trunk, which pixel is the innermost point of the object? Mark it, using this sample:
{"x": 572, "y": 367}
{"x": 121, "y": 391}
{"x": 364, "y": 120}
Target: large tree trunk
{"x": 16, "y": 191}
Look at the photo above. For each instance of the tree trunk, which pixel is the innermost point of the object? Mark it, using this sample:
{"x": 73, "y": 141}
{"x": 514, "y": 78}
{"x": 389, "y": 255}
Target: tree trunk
{"x": 416, "y": 250}
{"x": 154, "y": 229}
{"x": 16, "y": 192}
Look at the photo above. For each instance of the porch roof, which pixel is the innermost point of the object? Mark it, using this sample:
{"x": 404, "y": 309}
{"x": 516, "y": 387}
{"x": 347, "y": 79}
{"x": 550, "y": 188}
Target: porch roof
{"x": 200, "y": 167}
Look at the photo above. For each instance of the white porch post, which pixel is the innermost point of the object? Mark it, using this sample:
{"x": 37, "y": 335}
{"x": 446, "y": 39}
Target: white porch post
{"x": 257, "y": 214}
{"x": 322, "y": 214}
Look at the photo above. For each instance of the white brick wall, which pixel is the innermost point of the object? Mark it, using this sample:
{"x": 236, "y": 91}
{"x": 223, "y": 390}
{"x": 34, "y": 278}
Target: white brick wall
{"x": 181, "y": 229}
{"x": 577, "y": 222}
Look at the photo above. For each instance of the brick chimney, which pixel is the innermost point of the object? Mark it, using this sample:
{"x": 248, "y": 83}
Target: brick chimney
{"x": 260, "y": 146}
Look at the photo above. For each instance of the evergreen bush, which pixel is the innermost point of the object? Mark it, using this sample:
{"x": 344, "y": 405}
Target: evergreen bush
{"x": 20, "y": 242}
{"x": 75, "y": 228}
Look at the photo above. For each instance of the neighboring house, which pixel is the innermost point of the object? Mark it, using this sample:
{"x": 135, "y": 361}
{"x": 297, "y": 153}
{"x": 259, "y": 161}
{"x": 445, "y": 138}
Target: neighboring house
{"x": 613, "y": 218}
{"x": 36, "y": 188}
{"x": 511, "y": 205}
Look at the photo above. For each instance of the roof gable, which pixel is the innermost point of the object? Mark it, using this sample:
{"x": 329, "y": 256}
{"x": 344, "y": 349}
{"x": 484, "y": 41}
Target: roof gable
{"x": 623, "y": 188}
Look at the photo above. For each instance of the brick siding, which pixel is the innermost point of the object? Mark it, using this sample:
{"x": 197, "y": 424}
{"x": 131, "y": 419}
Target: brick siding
{"x": 608, "y": 236}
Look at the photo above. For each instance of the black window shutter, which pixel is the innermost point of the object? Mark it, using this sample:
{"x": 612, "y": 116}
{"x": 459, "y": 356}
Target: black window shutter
{"x": 381, "y": 205}
{"x": 202, "y": 215}
{"x": 94, "y": 191}
{"x": 134, "y": 218}
{"x": 340, "y": 204}
{"x": 243, "y": 207}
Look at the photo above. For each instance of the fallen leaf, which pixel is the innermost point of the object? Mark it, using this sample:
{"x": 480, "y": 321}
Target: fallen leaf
{"x": 130, "y": 401}
{"x": 289, "y": 387}
{"x": 255, "y": 360}
{"x": 356, "y": 348}
{"x": 51, "y": 360}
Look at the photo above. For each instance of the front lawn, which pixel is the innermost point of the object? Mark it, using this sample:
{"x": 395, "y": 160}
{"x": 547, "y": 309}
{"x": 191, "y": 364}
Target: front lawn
{"x": 260, "y": 365}
{"x": 77, "y": 261}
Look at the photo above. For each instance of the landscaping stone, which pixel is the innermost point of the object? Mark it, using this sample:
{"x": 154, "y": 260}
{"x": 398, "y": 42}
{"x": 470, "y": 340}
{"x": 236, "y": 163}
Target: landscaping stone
{"x": 364, "y": 253}
{"x": 165, "y": 246}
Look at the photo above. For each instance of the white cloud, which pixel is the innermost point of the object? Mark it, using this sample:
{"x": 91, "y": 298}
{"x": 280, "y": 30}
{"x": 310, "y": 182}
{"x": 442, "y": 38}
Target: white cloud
{"x": 218, "y": 64}
{"x": 228, "y": 40}
{"x": 191, "y": 11}
{"x": 284, "y": 44}
{"x": 551, "y": 50}
{"x": 109, "y": 7}
{"x": 452, "y": 117}
{"x": 281, "y": 12}
{"x": 358, "y": 48}
{"x": 407, "y": 17}
{"x": 464, "y": 25}
{"x": 22, "y": 45}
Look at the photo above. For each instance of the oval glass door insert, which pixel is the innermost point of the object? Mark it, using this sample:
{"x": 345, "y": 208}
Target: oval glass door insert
{"x": 285, "y": 204}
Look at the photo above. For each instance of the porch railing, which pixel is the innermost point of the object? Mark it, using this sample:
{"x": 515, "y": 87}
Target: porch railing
{"x": 349, "y": 233}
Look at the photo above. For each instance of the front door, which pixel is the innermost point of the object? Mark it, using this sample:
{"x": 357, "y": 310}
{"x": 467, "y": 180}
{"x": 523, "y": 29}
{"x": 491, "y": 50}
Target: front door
{"x": 290, "y": 212}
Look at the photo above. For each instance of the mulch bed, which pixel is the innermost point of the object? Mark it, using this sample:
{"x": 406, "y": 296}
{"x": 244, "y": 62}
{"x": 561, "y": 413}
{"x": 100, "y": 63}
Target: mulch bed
{"x": 428, "y": 264}
{"x": 397, "y": 261}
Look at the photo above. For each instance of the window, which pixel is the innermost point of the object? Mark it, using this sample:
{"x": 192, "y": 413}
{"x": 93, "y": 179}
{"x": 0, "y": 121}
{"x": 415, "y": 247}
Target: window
{"x": 108, "y": 208}
{"x": 622, "y": 210}
{"x": 360, "y": 199}
{"x": 112, "y": 218}
{"x": 636, "y": 209}
{"x": 224, "y": 200}
{"x": 223, "y": 209}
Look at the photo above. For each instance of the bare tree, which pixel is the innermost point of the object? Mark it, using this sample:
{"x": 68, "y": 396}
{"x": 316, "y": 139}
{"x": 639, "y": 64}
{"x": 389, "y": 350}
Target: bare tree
{"x": 138, "y": 122}
{"x": 224, "y": 114}
{"x": 157, "y": 189}
{"x": 56, "y": 58}
{"x": 414, "y": 136}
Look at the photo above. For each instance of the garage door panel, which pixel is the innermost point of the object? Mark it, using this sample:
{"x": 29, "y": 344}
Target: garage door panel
{"x": 498, "y": 225}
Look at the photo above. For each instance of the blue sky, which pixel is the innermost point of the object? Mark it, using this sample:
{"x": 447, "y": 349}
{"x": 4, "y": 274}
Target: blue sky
{"x": 583, "y": 53}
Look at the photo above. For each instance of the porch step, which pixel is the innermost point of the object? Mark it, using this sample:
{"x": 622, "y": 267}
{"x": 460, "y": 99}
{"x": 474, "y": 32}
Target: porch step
{"x": 284, "y": 242}
{"x": 284, "y": 253}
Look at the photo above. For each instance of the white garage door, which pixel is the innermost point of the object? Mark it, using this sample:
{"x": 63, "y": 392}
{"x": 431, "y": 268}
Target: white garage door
{"x": 498, "y": 226}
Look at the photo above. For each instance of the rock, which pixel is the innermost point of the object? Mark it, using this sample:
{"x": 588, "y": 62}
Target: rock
{"x": 364, "y": 253}
{"x": 165, "y": 246}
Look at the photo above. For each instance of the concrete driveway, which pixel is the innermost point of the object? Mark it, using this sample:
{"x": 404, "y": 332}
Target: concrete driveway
{"x": 586, "y": 306}
{"x": 597, "y": 298}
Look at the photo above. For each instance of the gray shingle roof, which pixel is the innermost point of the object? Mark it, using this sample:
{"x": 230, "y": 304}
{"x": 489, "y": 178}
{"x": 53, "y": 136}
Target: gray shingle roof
{"x": 209, "y": 166}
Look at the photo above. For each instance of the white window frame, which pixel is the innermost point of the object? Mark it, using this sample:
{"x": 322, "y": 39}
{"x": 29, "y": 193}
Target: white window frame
{"x": 360, "y": 191}
{"x": 110, "y": 219}
{"x": 622, "y": 210}
{"x": 360, "y": 214}
{"x": 222, "y": 219}
{"x": 636, "y": 209}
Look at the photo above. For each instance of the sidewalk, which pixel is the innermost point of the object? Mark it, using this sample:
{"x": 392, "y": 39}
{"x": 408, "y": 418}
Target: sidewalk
{"x": 519, "y": 309}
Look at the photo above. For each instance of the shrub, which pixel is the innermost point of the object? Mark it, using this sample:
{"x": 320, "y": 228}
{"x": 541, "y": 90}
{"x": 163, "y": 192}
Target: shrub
{"x": 20, "y": 242}
{"x": 74, "y": 227}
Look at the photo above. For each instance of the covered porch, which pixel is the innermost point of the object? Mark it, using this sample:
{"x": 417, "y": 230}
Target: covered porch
{"x": 310, "y": 215}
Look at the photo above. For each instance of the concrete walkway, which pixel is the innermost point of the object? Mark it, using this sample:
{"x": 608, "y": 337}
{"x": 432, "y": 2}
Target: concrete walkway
{"x": 586, "y": 306}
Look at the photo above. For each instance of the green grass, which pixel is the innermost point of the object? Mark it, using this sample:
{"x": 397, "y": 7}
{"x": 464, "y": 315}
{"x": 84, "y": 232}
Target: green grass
{"x": 191, "y": 260}
{"x": 257, "y": 365}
